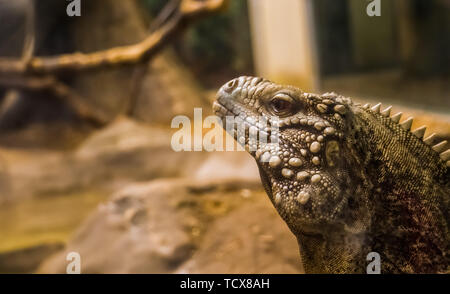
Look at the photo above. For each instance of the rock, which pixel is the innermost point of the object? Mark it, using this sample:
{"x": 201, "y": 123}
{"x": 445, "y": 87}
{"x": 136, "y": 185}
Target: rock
{"x": 177, "y": 225}
{"x": 122, "y": 135}
{"x": 68, "y": 185}
{"x": 137, "y": 231}
{"x": 227, "y": 165}
{"x": 238, "y": 244}
{"x": 125, "y": 151}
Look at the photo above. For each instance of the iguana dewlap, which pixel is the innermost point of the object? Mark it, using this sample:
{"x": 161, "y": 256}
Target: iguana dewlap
{"x": 347, "y": 179}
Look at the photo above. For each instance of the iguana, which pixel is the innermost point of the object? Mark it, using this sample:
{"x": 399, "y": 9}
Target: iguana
{"x": 348, "y": 179}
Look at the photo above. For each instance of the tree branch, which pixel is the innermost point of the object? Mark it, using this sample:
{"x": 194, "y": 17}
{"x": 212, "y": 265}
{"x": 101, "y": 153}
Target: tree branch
{"x": 61, "y": 91}
{"x": 38, "y": 73}
{"x": 188, "y": 11}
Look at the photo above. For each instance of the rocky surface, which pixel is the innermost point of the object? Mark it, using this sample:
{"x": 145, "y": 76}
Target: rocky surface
{"x": 168, "y": 226}
{"x": 125, "y": 151}
{"x": 199, "y": 212}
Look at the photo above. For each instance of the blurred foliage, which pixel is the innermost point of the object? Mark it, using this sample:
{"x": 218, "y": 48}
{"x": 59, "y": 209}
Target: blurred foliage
{"x": 210, "y": 42}
{"x": 218, "y": 45}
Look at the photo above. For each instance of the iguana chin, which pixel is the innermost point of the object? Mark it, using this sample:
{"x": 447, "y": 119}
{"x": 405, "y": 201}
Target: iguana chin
{"x": 347, "y": 179}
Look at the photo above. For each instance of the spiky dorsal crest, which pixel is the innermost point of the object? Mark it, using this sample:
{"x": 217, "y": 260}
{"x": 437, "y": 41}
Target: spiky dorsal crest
{"x": 439, "y": 148}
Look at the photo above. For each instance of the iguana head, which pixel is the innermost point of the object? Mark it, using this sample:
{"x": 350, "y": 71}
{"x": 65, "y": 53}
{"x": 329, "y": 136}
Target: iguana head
{"x": 306, "y": 174}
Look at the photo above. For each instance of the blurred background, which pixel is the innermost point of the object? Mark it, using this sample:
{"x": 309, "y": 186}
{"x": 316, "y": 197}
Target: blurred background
{"x": 85, "y": 158}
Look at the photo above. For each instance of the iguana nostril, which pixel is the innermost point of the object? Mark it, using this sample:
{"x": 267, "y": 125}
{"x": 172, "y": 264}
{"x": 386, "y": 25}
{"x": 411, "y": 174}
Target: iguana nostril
{"x": 230, "y": 86}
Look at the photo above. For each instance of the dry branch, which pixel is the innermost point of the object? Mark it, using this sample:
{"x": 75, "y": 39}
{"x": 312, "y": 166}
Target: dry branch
{"x": 60, "y": 90}
{"x": 188, "y": 11}
{"x": 38, "y": 73}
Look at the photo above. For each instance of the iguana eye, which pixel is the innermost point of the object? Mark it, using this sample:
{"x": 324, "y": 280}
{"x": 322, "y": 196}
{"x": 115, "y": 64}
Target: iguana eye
{"x": 281, "y": 104}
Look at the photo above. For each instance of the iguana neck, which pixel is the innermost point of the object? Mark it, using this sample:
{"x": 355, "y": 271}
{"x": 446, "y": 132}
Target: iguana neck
{"x": 337, "y": 252}
{"x": 406, "y": 218}
{"x": 402, "y": 220}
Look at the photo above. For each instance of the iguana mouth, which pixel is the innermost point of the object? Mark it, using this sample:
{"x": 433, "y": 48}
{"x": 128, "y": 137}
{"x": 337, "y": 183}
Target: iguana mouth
{"x": 247, "y": 123}
{"x": 224, "y": 108}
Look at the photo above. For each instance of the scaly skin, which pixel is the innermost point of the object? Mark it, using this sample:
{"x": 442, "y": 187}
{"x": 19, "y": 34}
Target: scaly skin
{"x": 347, "y": 179}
